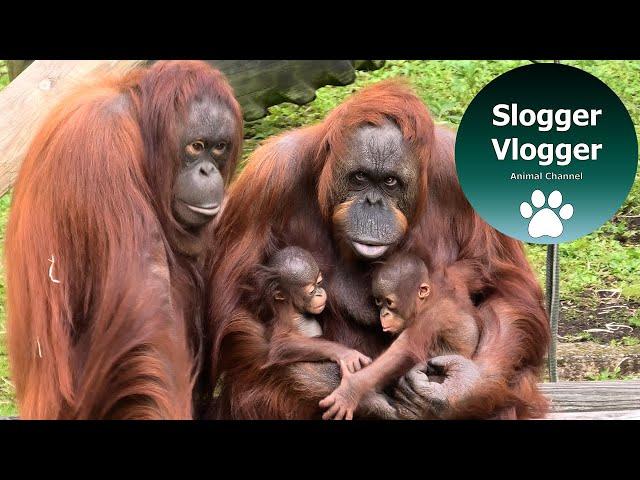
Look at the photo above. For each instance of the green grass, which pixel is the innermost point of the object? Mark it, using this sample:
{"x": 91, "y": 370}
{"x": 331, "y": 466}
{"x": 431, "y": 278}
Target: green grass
{"x": 4, "y": 78}
{"x": 7, "y": 405}
{"x": 597, "y": 261}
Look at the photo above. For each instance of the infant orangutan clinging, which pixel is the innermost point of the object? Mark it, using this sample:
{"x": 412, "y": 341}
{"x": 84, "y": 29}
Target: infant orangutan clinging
{"x": 430, "y": 317}
{"x": 290, "y": 287}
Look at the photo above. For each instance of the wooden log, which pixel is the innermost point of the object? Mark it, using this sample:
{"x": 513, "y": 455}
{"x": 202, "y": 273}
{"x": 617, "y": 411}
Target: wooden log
{"x": 26, "y": 101}
{"x": 594, "y": 400}
{"x": 258, "y": 84}
{"x": 597, "y": 415}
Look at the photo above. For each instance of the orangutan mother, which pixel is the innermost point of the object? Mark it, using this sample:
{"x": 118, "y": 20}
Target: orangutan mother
{"x": 375, "y": 177}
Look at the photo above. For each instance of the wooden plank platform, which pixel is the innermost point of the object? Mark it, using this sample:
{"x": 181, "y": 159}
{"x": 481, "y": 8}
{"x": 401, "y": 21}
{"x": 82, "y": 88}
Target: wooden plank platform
{"x": 609, "y": 400}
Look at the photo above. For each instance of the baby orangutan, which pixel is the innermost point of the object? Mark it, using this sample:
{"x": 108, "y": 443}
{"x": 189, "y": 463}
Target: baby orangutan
{"x": 429, "y": 318}
{"x": 291, "y": 287}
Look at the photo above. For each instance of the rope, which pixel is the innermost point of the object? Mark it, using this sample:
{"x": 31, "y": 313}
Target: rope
{"x": 553, "y": 306}
{"x": 553, "y": 302}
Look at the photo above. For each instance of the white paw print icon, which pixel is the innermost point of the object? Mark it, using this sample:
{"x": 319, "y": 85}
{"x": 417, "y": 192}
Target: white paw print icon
{"x": 546, "y": 221}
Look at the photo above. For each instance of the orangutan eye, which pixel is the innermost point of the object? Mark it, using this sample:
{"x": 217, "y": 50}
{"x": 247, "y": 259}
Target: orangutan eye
{"x": 195, "y": 148}
{"x": 390, "y": 303}
{"x": 359, "y": 176}
{"x": 378, "y": 302}
{"x": 219, "y": 148}
{"x": 390, "y": 181}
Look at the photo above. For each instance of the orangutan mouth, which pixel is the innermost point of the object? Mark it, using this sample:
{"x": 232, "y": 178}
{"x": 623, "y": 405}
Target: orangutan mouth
{"x": 208, "y": 211}
{"x": 369, "y": 251}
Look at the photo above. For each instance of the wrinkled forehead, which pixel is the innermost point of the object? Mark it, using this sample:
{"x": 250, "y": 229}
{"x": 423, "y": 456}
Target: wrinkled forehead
{"x": 207, "y": 117}
{"x": 381, "y": 149}
{"x": 298, "y": 271}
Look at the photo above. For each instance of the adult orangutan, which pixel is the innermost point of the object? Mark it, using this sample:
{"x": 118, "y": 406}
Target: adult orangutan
{"x": 376, "y": 176}
{"x": 105, "y": 241}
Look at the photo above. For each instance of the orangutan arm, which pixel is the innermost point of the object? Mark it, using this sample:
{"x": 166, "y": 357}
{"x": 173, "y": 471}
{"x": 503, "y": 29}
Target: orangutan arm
{"x": 287, "y": 346}
{"x": 501, "y": 378}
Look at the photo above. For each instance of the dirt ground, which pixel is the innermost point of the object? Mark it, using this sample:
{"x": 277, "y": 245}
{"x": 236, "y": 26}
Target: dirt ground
{"x": 600, "y": 316}
{"x": 603, "y": 316}
{"x": 595, "y": 335}
{"x": 633, "y": 225}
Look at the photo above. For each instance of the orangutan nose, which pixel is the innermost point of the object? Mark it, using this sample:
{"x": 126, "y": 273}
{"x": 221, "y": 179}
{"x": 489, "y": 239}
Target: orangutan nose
{"x": 373, "y": 197}
{"x": 206, "y": 168}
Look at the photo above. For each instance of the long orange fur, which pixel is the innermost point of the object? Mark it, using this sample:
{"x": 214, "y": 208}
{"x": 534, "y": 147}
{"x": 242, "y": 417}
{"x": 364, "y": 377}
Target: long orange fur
{"x": 119, "y": 335}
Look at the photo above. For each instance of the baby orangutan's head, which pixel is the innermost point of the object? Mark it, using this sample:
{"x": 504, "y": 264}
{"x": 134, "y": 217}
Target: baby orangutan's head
{"x": 298, "y": 280}
{"x": 399, "y": 286}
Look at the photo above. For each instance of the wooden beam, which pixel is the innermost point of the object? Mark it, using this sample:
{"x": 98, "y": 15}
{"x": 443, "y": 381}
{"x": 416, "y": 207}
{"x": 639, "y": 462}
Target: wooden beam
{"x": 590, "y": 400}
{"x": 612, "y": 415}
{"x": 28, "y": 99}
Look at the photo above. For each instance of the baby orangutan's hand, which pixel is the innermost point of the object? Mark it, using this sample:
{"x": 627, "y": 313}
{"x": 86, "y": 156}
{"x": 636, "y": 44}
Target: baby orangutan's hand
{"x": 354, "y": 360}
{"x": 343, "y": 401}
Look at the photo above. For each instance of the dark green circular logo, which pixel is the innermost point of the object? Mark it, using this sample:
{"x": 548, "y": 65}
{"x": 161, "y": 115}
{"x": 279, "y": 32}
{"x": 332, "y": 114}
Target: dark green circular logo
{"x": 546, "y": 153}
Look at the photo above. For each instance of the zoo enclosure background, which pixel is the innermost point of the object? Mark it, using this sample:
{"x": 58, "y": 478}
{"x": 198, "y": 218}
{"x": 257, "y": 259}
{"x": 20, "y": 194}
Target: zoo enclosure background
{"x": 604, "y": 264}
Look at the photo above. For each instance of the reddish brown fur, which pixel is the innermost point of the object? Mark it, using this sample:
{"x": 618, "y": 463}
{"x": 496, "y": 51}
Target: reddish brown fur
{"x": 444, "y": 322}
{"x": 450, "y": 306}
{"x": 118, "y": 336}
{"x": 285, "y": 196}
{"x": 287, "y": 344}
{"x": 447, "y": 317}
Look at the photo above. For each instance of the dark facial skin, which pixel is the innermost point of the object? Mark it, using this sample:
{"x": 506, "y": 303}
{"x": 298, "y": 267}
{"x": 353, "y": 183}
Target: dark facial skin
{"x": 300, "y": 280}
{"x": 379, "y": 191}
{"x": 206, "y": 144}
{"x": 399, "y": 288}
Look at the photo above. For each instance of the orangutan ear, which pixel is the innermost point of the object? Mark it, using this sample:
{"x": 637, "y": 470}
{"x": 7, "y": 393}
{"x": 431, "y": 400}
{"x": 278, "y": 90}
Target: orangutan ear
{"x": 278, "y": 295}
{"x": 424, "y": 291}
